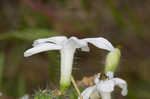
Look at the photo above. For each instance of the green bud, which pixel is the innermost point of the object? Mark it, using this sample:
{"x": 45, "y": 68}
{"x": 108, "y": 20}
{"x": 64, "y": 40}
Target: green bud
{"x": 112, "y": 60}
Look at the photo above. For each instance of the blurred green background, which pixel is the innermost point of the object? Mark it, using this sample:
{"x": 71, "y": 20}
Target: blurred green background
{"x": 126, "y": 23}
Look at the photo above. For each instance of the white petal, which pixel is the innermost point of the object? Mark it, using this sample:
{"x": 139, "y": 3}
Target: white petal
{"x": 100, "y": 43}
{"x": 122, "y": 84}
{"x": 96, "y": 80}
{"x": 105, "y": 95}
{"x": 110, "y": 75}
{"x": 56, "y": 40}
{"x": 41, "y": 48}
{"x": 85, "y": 49}
{"x": 26, "y": 96}
{"x": 67, "y": 56}
{"x": 87, "y": 92}
{"x": 74, "y": 42}
{"x": 105, "y": 86}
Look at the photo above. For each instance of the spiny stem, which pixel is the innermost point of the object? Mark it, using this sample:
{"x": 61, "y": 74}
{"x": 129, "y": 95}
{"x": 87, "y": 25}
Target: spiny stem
{"x": 76, "y": 87}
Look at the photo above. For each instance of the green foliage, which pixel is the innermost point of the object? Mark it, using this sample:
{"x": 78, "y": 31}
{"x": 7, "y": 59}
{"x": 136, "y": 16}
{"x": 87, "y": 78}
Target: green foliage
{"x": 15, "y": 55}
{"x": 115, "y": 13}
{"x": 85, "y": 5}
{"x": 21, "y": 85}
{"x": 45, "y": 94}
{"x": 28, "y": 34}
{"x": 2, "y": 59}
{"x": 54, "y": 94}
{"x": 54, "y": 66}
{"x": 140, "y": 92}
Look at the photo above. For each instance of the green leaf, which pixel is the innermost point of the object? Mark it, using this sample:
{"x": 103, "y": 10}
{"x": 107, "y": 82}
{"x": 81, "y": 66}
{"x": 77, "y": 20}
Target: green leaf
{"x": 21, "y": 85}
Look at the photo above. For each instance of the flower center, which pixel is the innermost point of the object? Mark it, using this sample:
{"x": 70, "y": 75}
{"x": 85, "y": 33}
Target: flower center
{"x": 103, "y": 76}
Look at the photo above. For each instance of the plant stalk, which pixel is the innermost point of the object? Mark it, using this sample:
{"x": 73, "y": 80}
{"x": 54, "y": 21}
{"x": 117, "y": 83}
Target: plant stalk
{"x": 76, "y": 87}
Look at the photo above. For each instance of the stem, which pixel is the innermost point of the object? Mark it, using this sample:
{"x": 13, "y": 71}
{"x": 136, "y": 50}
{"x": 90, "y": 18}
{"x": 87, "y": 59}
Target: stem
{"x": 76, "y": 87}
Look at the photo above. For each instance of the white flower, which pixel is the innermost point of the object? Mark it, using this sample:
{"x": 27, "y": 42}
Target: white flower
{"x": 105, "y": 87}
{"x": 26, "y": 96}
{"x": 67, "y": 49}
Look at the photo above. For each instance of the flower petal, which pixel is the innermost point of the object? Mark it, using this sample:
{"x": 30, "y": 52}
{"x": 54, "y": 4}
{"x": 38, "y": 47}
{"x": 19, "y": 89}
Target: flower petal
{"x": 26, "y": 96}
{"x": 105, "y": 95}
{"x": 100, "y": 43}
{"x": 87, "y": 92}
{"x": 67, "y": 55}
{"x": 110, "y": 75}
{"x": 122, "y": 84}
{"x": 96, "y": 80}
{"x": 74, "y": 42}
{"x": 41, "y": 48}
{"x": 56, "y": 40}
{"x": 105, "y": 86}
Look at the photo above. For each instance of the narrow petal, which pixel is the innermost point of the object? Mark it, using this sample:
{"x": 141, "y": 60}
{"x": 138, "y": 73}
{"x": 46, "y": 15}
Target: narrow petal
{"x": 87, "y": 92}
{"x": 41, "y": 48}
{"x": 56, "y": 40}
{"x": 96, "y": 80}
{"x": 105, "y": 86}
{"x": 110, "y": 75}
{"x": 100, "y": 43}
{"x": 122, "y": 84}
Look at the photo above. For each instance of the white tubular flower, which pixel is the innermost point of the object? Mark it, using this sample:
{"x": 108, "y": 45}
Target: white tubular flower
{"x": 67, "y": 49}
{"x": 105, "y": 87}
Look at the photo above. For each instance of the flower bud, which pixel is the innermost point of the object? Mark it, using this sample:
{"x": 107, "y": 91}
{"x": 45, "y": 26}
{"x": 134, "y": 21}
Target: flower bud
{"x": 112, "y": 60}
